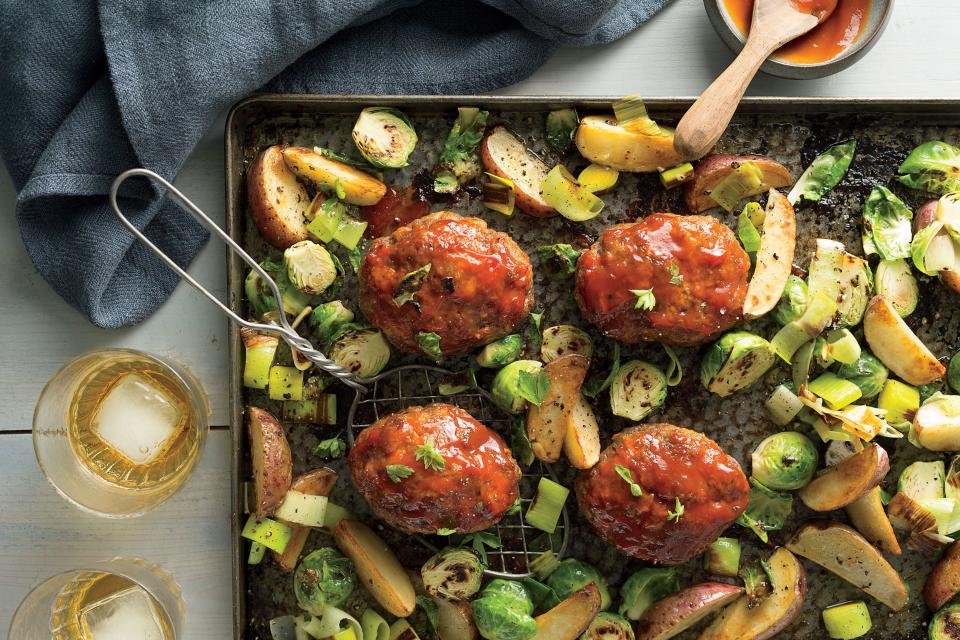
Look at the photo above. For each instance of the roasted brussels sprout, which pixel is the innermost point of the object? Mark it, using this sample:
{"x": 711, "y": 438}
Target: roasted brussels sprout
{"x": 324, "y": 578}
{"x": 558, "y": 261}
{"x": 735, "y": 362}
{"x": 504, "y": 611}
{"x": 564, "y": 339}
{"x": 505, "y": 387}
{"x": 767, "y": 510}
{"x": 785, "y": 461}
{"x": 637, "y": 388}
{"x": 385, "y": 137}
{"x": 933, "y": 167}
{"x": 608, "y": 626}
{"x": 895, "y": 280}
{"x": 572, "y": 574}
{"x": 459, "y": 162}
{"x": 328, "y": 318}
{"x": 793, "y": 301}
{"x": 363, "y": 350}
{"x": 824, "y": 173}
{"x": 945, "y": 623}
{"x": 501, "y": 353}
{"x": 856, "y": 289}
{"x": 561, "y": 125}
{"x": 953, "y": 373}
{"x": 886, "y": 225}
{"x": 454, "y": 573}
{"x": 867, "y": 372}
{"x": 310, "y": 267}
{"x": 645, "y": 587}
{"x": 261, "y": 298}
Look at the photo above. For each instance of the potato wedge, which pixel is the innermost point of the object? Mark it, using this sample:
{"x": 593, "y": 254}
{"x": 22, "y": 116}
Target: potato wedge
{"x": 944, "y": 581}
{"x": 455, "y": 620}
{"x": 319, "y": 482}
{"x": 892, "y": 341}
{"x": 547, "y": 423}
{"x": 773, "y": 614}
{"x": 602, "y": 141}
{"x": 278, "y": 203}
{"x": 271, "y": 460}
{"x": 505, "y": 155}
{"x": 926, "y": 214}
{"x": 869, "y": 518}
{"x": 676, "y": 613}
{"x": 359, "y": 188}
{"x": 937, "y": 424}
{"x": 582, "y": 440}
{"x": 840, "y": 549}
{"x": 847, "y": 481}
{"x": 377, "y": 566}
{"x": 775, "y": 257}
{"x": 571, "y": 617}
{"x": 714, "y": 168}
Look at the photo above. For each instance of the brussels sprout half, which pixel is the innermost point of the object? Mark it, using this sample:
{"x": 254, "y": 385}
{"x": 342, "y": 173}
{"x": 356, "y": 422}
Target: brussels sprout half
{"x": 895, "y": 280}
{"x": 572, "y": 574}
{"x": 453, "y": 573}
{"x": 785, "y": 461}
{"x": 364, "y": 351}
{"x": 645, "y": 587}
{"x": 505, "y": 387}
{"x": 735, "y": 362}
{"x": 310, "y": 267}
{"x": 793, "y": 302}
{"x": 324, "y": 578}
{"x": 261, "y": 298}
{"x": 953, "y": 373}
{"x": 867, "y": 372}
{"x": 504, "y": 611}
{"x": 564, "y": 339}
{"x": 385, "y": 137}
{"x": 945, "y": 622}
{"x": 933, "y": 167}
{"x": 608, "y": 626}
{"x": 500, "y": 353}
{"x": 637, "y": 389}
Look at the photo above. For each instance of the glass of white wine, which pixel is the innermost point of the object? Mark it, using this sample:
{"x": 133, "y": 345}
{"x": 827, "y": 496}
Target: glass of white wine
{"x": 118, "y": 431}
{"x": 122, "y": 599}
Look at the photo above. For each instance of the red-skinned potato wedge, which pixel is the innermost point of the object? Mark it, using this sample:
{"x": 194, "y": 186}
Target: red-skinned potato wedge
{"x": 359, "y": 188}
{"x": 377, "y": 567}
{"x": 714, "y": 168}
{"x": 455, "y": 620}
{"x": 278, "y": 202}
{"x": 869, "y": 518}
{"x": 775, "y": 257}
{"x": 926, "y": 214}
{"x": 547, "y": 423}
{"x": 944, "y": 581}
{"x": 841, "y": 550}
{"x": 847, "y": 481}
{"x": 676, "y": 613}
{"x": 773, "y": 614}
{"x": 897, "y": 346}
{"x": 582, "y": 440}
{"x": 602, "y": 141}
{"x": 505, "y": 155}
{"x": 571, "y": 617}
{"x": 319, "y": 482}
{"x": 271, "y": 460}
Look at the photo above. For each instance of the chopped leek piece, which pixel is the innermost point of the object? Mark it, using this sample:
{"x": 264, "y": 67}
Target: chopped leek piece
{"x": 546, "y": 508}
{"x": 901, "y": 402}
{"x": 746, "y": 178}
{"x": 802, "y": 361}
{"x": 333, "y": 514}
{"x": 674, "y": 368}
{"x": 597, "y": 178}
{"x": 943, "y": 510}
{"x": 499, "y": 195}
{"x": 544, "y": 564}
{"x": 286, "y": 383}
{"x": 374, "y": 626}
{"x": 270, "y": 533}
{"x": 848, "y": 620}
{"x": 676, "y": 176}
{"x": 747, "y": 230}
{"x": 895, "y": 280}
{"x": 818, "y": 314}
{"x": 561, "y": 125}
{"x": 561, "y": 191}
{"x": 723, "y": 557}
{"x": 841, "y": 346}
{"x": 783, "y": 406}
{"x": 631, "y": 114}
{"x": 948, "y": 212}
{"x": 401, "y": 630}
{"x": 259, "y": 351}
{"x": 257, "y": 551}
{"x": 349, "y": 232}
{"x": 325, "y": 215}
{"x": 319, "y": 410}
{"x": 829, "y": 435}
{"x": 302, "y": 508}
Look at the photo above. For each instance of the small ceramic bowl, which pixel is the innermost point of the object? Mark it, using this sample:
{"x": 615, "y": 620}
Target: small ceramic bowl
{"x": 880, "y": 11}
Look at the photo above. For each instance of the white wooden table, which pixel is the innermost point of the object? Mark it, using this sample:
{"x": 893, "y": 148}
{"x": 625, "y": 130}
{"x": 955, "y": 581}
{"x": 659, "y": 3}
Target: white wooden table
{"x": 677, "y": 54}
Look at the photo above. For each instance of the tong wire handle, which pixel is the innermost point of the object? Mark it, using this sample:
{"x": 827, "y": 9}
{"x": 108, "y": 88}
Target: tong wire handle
{"x": 284, "y": 330}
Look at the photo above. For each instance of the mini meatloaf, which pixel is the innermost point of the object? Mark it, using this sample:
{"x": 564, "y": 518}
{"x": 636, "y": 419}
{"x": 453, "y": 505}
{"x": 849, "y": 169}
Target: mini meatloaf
{"x": 429, "y": 468}
{"x": 446, "y": 274}
{"x": 693, "y": 264}
{"x": 669, "y": 463}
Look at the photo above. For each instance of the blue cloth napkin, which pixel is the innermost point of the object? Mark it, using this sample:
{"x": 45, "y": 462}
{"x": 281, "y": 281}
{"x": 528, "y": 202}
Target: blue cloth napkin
{"x": 89, "y": 89}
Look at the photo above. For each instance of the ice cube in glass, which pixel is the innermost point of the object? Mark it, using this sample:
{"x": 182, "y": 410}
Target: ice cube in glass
{"x": 124, "y": 615}
{"x": 137, "y": 419}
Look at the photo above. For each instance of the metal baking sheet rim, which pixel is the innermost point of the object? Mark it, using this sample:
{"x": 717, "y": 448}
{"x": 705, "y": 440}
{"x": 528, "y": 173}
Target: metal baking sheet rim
{"x": 343, "y": 103}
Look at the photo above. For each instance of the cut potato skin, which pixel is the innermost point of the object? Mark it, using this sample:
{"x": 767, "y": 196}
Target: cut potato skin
{"x": 714, "y": 168}
{"x": 847, "y": 481}
{"x": 943, "y": 583}
{"x": 936, "y": 429}
{"x": 547, "y": 424}
{"x": 359, "y": 188}
{"x": 278, "y": 202}
{"x": 571, "y": 617}
{"x": 602, "y": 141}
{"x": 676, "y": 613}
{"x": 582, "y": 440}
{"x": 505, "y": 155}
{"x": 319, "y": 482}
{"x": 841, "y": 550}
{"x": 869, "y": 518}
{"x": 377, "y": 567}
{"x": 775, "y": 257}
{"x": 773, "y": 614}
{"x": 271, "y": 460}
{"x": 895, "y": 344}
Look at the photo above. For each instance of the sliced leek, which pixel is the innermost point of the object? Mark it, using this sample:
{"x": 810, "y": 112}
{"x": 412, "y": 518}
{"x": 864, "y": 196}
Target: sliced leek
{"x": 259, "y": 352}
{"x": 499, "y": 194}
{"x": 286, "y": 383}
{"x": 270, "y": 533}
{"x": 900, "y": 401}
{"x": 835, "y": 391}
{"x": 818, "y": 314}
{"x": 547, "y": 507}
{"x": 676, "y": 176}
{"x": 631, "y": 114}
{"x": 562, "y": 192}
{"x": 597, "y": 178}
{"x": 783, "y": 406}
{"x": 746, "y": 178}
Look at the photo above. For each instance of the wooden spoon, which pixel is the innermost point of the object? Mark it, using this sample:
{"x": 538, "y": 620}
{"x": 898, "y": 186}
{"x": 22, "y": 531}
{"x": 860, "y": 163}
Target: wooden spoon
{"x": 775, "y": 22}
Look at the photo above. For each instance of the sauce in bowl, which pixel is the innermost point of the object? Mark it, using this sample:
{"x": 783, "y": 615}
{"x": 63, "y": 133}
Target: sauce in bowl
{"x": 825, "y": 42}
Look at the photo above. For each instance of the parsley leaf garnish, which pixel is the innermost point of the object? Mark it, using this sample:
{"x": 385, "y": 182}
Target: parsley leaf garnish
{"x": 533, "y": 387}
{"x": 627, "y": 477}
{"x": 675, "y": 277}
{"x": 429, "y": 456}
{"x": 480, "y": 541}
{"x": 397, "y": 472}
{"x": 645, "y": 299}
{"x": 677, "y": 512}
{"x": 330, "y": 449}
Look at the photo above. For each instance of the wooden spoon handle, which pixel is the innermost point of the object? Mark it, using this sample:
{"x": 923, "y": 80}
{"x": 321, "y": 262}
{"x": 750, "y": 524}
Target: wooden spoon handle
{"x": 708, "y": 117}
